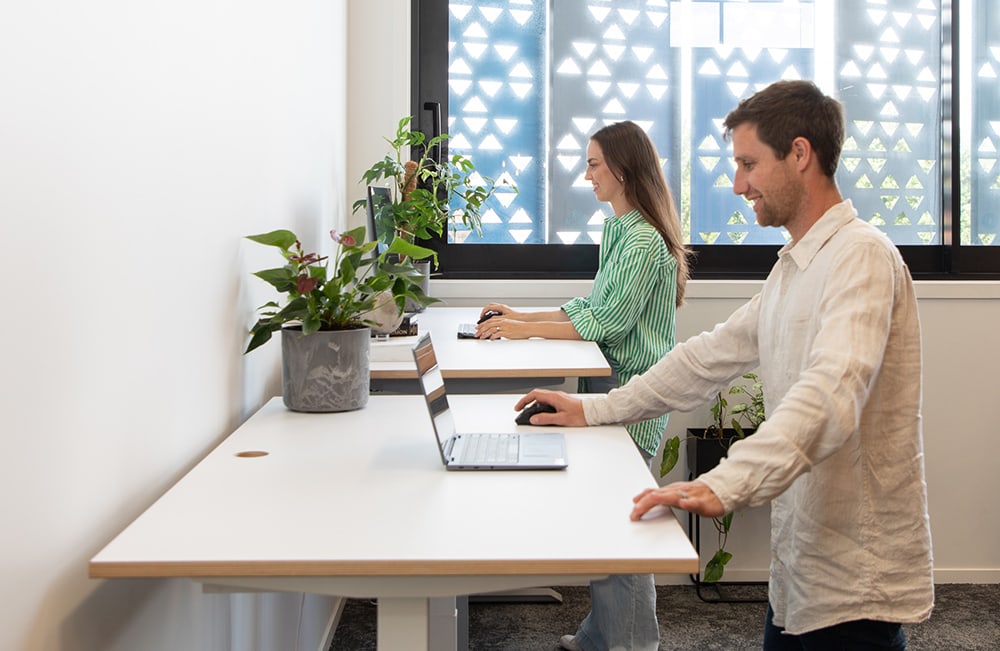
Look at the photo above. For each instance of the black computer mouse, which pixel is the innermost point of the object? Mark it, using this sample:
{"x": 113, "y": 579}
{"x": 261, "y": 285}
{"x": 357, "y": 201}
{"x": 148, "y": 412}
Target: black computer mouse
{"x": 489, "y": 314}
{"x": 524, "y": 418}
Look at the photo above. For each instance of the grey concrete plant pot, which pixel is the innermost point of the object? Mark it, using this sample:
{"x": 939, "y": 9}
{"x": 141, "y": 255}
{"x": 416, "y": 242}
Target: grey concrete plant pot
{"x": 325, "y": 371}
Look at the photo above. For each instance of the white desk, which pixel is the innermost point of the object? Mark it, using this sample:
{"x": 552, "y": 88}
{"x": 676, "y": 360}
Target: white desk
{"x": 474, "y": 358}
{"x": 357, "y": 504}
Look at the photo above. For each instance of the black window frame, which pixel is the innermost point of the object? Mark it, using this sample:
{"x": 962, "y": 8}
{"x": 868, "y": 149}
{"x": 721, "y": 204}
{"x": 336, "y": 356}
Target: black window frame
{"x": 948, "y": 260}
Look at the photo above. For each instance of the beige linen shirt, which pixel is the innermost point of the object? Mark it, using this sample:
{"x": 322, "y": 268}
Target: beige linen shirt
{"x": 836, "y": 335}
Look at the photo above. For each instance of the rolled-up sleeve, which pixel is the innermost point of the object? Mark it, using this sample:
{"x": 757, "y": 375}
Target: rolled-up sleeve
{"x": 610, "y": 319}
{"x": 688, "y": 377}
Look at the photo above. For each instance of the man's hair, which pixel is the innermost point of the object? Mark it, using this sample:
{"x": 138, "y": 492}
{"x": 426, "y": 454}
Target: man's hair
{"x": 787, "y": 110}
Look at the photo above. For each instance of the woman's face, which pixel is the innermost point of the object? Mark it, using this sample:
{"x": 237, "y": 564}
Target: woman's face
{"x": 607, "y": 187}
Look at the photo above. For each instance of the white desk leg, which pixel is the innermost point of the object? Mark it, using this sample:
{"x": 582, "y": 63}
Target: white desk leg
{"x": 403, "y": 624}
{"x": 443, "y": 630}
{"x": 417, "y": 624}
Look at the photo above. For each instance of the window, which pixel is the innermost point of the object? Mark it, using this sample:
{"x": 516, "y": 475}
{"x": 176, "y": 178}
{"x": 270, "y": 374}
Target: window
{"x": 981, "y": 109}
{"x": 523, "y": 83}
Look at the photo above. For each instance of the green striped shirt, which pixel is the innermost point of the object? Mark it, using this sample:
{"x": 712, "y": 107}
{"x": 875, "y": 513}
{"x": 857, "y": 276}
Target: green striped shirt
{"x": 630, "y": 311}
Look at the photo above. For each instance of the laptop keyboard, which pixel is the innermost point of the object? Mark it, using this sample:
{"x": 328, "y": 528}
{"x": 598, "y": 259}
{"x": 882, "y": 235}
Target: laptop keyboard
{"x": 490, "y": 448}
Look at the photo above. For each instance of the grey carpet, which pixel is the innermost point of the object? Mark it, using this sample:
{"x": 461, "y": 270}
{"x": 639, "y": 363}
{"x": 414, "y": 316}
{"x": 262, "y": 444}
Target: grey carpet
{"x": 966, "y": 618}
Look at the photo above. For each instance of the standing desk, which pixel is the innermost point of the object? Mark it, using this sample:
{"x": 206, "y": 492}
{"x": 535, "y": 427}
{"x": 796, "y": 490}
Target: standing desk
{"x": 485, "y": 366}
{"x": 474, "y": 360}
{"x": 358, "y": 504}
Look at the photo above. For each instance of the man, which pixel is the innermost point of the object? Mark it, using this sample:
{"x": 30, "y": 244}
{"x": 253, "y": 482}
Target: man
{"x": 836, "y": 336}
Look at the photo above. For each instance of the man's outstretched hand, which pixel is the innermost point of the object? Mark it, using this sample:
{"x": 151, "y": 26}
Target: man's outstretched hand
{"x": 693, "y": 496}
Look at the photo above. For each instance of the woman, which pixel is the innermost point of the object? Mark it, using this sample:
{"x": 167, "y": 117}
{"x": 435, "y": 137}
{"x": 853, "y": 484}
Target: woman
{"x": 641, "y": 277}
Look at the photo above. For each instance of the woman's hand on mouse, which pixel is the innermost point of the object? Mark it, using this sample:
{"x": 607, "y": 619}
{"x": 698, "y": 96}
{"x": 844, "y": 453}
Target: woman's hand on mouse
{"x": 569, "y": 410}
{"x": 499, "y": 327}
{"x": 499, "y": 308}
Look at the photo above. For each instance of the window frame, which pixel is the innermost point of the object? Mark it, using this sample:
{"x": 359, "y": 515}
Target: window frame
{"x": 948, "y": 260}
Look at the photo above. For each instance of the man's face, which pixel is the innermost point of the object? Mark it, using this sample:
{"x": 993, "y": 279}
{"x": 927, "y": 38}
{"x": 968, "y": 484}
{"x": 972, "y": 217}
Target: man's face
{"x": 770, "y": 184}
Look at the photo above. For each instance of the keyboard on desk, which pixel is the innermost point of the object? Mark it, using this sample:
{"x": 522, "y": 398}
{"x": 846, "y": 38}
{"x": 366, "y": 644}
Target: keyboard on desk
{"x": 467, "y": 331}
{"x": 490, "y": 448}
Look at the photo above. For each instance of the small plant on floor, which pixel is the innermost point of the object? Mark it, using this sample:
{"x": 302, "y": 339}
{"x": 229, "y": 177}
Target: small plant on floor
{"x": 741, "y": 418}
{"x": 746, "y": 417}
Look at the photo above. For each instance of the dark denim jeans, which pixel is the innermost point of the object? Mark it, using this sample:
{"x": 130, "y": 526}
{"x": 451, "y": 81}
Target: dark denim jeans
{"x": 860, "y": 635}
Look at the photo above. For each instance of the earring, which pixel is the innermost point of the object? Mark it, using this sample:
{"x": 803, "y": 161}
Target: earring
{"x": 621, "y": 179}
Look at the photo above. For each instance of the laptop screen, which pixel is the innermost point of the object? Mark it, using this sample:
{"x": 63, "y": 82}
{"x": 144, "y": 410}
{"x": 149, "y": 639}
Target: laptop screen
{"x": 432, "y": 384}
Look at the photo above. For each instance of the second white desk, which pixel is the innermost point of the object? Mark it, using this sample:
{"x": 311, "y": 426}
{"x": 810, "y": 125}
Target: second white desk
{"x": 484, "y": 359}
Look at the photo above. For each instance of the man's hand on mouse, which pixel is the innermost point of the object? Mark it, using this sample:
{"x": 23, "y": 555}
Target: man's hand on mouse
{"x": 693, "y": 496}
{"x": 569, "y": 410}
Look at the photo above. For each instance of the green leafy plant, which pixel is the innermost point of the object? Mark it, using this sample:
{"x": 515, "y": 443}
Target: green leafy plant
{"x": 746, "y": 414}
{"x": 321, "y": 296}
{"x": 742, "y": 418}
{"x": 671, "y": 452}
{"x": 426, "y": 195}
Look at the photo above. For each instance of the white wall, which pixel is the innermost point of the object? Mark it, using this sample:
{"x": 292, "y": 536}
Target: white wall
{"x": 378, "y": 79}
{"x": 138, "y": 143}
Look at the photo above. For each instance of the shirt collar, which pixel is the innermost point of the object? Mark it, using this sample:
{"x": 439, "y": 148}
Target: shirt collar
{"x": 803, "y": 251}
{"x": 628, "y": 219}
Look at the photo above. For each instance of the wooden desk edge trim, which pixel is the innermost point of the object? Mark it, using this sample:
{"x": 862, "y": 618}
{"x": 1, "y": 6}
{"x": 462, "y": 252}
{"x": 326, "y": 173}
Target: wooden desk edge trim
{"x": 474, "y": 374}
{"x": 140, "y": 569}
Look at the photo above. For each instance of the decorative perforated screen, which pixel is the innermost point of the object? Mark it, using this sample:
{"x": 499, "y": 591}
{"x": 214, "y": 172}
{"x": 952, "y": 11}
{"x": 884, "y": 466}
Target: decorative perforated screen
{"x": 530, "y": 80}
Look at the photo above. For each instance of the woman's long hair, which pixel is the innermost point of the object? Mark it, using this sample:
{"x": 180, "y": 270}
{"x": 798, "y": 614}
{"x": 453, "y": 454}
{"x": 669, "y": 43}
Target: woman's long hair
{"x": 632, "y": 157}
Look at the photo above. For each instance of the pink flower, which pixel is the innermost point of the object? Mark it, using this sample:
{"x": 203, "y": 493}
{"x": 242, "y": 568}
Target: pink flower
{"x": 345, "y": 239}
{"x": 305, "y": 284}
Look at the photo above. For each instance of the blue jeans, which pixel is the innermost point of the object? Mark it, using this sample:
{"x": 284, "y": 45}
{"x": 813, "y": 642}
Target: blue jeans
{"x": 622, "y": 615}
{"x": 860, "y": 635}
{"x": 598, "y": 384}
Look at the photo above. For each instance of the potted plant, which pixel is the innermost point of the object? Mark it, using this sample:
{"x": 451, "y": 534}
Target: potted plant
{"x": 326, "y": 318}
{"x": 707, "y": 446}
{"x": 425, "y": 195}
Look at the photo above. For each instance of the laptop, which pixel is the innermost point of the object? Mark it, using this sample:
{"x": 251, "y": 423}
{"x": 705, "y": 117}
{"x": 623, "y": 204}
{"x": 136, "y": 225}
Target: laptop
{"x": 480, "y": 450}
